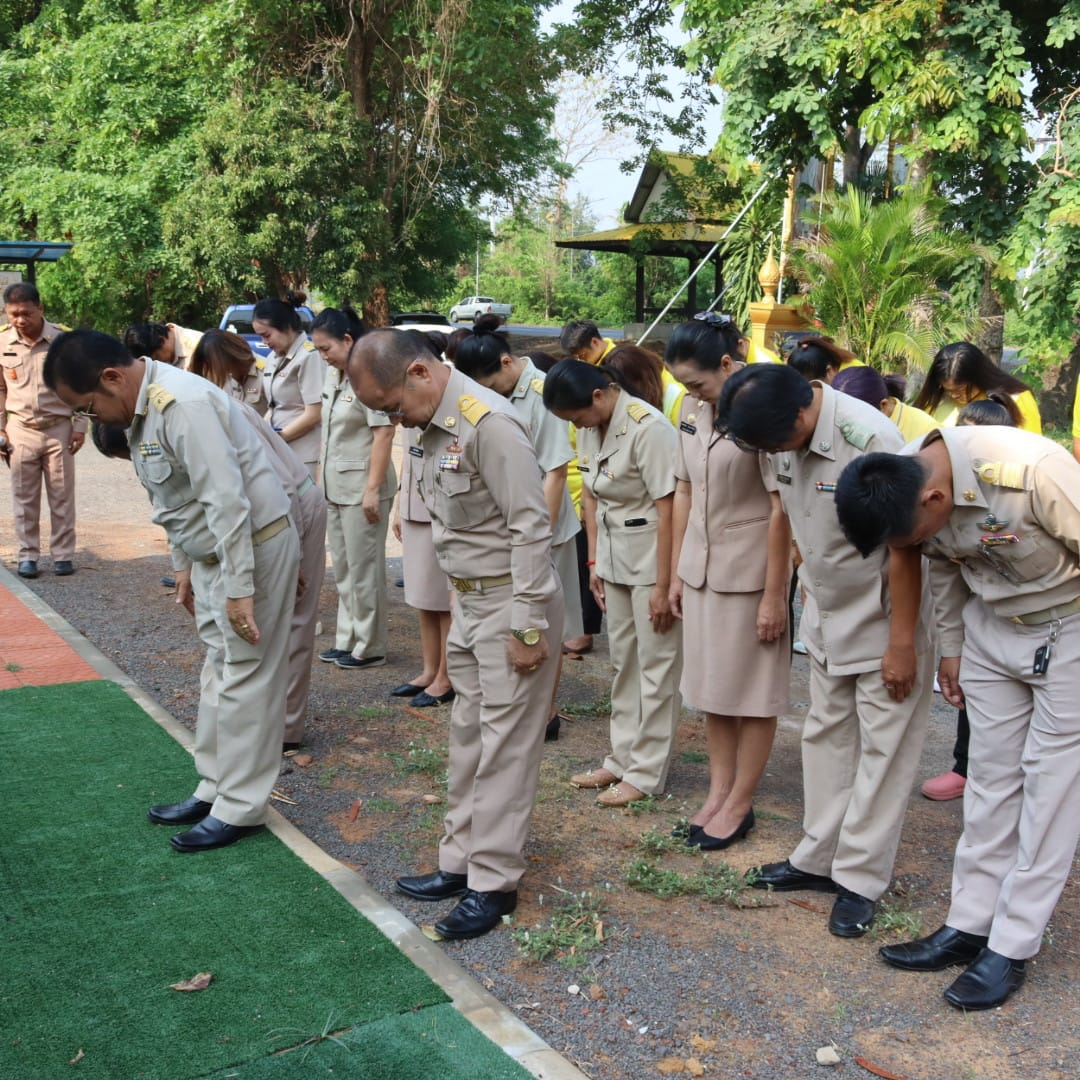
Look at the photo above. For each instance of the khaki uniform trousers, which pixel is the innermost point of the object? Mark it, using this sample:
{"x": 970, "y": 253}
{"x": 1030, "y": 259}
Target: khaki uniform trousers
{"x": 860, "y": 753}
{"x": 358, "y": 551}
{"x": 645, "y": 699}
{"x": 37, "y": 455}
{"x": 305, "y": 611}
{"x": 1022, "y": 797}
{"x": 496, "y": 740}
{"x": 241, "y": 717}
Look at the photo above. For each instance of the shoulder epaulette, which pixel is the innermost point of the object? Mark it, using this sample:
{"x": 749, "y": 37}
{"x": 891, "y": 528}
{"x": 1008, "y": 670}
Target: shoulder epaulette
{"x": 855, "y": 434}
{"x": 159, "y": 397}
{"x": 637, "y": 412}
{"x": 1007, "y": 474}
{"x": 61, "y": 326}
{"x": 538, "y": 386}
{"x": 474, "y": 411}
{"x": 309, "y": 345}
{"x": 6, "y": 326}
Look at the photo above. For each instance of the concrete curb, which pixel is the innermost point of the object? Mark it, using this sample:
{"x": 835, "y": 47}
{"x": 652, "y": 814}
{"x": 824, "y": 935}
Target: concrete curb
{"x": 502, "y": 1026}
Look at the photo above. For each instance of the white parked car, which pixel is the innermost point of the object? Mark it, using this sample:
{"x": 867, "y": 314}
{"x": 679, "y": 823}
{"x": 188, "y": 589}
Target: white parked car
{"x": 472, "y": 307}
{"x": 420, "y": 320}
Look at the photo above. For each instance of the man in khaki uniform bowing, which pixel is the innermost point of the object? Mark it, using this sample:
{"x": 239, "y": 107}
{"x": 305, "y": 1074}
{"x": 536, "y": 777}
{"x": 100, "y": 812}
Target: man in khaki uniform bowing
{"x": 214, "y": 491}
{"x": 997, "y": 512}
{"x": 866, "y": 626}
{"x": 481, "y": 483}
{"x": 40, "y": 431}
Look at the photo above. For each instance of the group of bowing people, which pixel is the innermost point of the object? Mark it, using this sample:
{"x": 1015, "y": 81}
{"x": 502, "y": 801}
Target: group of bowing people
{"x": 682, "y": 494}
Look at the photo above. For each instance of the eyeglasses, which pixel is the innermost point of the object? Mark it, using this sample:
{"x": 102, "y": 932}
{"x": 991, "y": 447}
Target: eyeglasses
{"x": 85, "y": 412}
{"x": 398, "y": 413}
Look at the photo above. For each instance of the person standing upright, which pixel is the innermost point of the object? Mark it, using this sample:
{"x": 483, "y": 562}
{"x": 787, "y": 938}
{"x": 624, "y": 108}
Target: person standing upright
{"x": 42, "y": 434}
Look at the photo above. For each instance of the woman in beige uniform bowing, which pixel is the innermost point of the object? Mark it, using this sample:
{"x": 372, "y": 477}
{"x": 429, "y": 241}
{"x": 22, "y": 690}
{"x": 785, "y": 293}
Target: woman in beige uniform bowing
{"x": 293, "y": 376}
{"x": 730, "y": 574}
{"x": 359, "y": 481}
{"x": 626, "y": 453}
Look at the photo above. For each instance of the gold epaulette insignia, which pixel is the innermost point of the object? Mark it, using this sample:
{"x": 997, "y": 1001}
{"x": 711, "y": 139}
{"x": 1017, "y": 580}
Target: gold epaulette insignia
{"x": 61, "y": 326}
{"x": 637, "y": 412}
{"x": 855, "y": 434}
{"x": 1007, "y": 474}
{"x": 6, "y": 326}
{"x": 309, "y": 345}
{"x": 538, "y": 386}
{"x": 159, "y": 397}
{"x": 473, "y": 410}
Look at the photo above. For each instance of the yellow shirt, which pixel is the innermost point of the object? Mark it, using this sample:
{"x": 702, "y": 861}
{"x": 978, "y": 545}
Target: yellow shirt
{"x": 1076, "y": 412}
{"x": 1030, "y": 420}
{"x": 758, "y": 354}
{"x": 913, "y": 423}
{"x": 851, "y": 363}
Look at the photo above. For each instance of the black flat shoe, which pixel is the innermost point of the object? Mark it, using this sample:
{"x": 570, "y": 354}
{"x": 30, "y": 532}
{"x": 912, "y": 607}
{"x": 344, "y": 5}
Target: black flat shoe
{"x": 406, "y": 690}
{"x": 476, "y": 914}
{"x": 706, "y": 842}
{"x": 941, "y": 949}
{"x": 987, "y": 983}
{"x": 212, "y": 833}
{"x": 28, "y": 569}
{"x": 350, "y": 661}
{"x": 551, "y": 732}
{"x": 852, "y": 914}
{"x": 435, "y": 886}
{"x": 427, "y": 701}
{"x": 189, "y": 812}
{"x": 328, "y": 656}
{"x": 783, "y": 877}
{"x": 63, "y": 568}
{"x": 290, "y": 747}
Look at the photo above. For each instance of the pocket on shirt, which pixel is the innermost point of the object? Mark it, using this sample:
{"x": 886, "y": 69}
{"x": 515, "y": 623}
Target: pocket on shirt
{"x": 457, "y": 504}
{"x": 170, "y": 488}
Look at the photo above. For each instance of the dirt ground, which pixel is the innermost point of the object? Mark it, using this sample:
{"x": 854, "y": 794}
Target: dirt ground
{"x": 679, "y": 985}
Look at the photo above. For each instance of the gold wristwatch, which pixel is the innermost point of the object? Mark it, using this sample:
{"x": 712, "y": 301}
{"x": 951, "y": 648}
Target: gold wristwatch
{"x": 529, "y": 636}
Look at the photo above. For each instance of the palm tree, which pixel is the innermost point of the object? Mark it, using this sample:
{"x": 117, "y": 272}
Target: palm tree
{"x": 873, "y": 277}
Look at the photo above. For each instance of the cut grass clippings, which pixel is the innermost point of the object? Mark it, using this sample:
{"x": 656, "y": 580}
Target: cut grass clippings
{"x": 101, "y": 916}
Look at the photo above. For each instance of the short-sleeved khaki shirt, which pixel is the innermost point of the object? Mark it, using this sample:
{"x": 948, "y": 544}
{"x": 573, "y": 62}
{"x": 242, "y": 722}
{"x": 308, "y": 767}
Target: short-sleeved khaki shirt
{"x": 347, "y": 430}
{"x": 24, "y": 397}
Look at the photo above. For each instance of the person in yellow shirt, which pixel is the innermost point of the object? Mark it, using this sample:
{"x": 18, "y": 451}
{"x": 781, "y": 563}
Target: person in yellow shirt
{"x": 868, "y": 385}
{"x": 1076, "y": 423}
{"x": 962, "y": 372}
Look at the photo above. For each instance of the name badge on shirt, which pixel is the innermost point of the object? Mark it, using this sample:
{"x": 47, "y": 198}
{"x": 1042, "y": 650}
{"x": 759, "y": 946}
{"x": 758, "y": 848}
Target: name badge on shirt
{"x": 782, "y": 479}
{"x": 150, "y": 449}
{"x": 415, "y": 451}
{"x": 690, "y": 429}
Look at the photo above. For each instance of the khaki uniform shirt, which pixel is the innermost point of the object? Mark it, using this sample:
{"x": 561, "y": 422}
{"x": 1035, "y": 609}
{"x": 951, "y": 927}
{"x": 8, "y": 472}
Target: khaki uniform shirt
{"x": 210, "y": 482}
{"x": 726, "y": 543}
{"x": 845, "y": 623}
{"x": 628, "y": 471}
{"x": 483, "y": 488}
{"x": 550, "y": 438}
{"x": 24, "y": 397}
{"x": 1014, "y": 534}
{"x": 251, "y": 391}
{"x": 347, "y": 427}
{"x": 292, "y": 382}
{"x": 184, "y": 342}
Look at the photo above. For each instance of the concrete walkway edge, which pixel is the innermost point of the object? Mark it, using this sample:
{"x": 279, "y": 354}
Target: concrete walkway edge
{"x": 502, "y": 1026}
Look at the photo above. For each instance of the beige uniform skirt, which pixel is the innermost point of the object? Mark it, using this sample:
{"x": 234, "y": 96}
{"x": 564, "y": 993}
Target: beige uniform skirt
{"x": 726, "y": 670}
{"x": 427, "y": 588}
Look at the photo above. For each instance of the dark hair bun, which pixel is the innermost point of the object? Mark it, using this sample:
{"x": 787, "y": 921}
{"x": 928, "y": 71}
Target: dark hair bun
{"x": 295, "y": 298}
{"x": 487, "y": 324}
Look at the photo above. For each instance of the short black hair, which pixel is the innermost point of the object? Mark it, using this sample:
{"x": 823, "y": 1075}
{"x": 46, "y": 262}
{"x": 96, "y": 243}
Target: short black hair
{"x": 876, "y": 499}
{"x": 77, "y": 358}
{"x": 760, "y": 405}
{"x": 22, "y": 292}
{"x": 280, "y": 314}
{"x": 386, "y": 353}
{"x": 577, "y": 334}
{"x": 144, "y": 339}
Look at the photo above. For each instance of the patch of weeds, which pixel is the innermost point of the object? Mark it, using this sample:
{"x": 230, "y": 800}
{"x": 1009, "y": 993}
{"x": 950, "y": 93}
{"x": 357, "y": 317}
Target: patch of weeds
{"x": 651, "y": 804}
{"x": 12, "y": 666}
{"x": 420, "y": 759}
{"x": 326, "y": 777}
{"x": 655, "y": 842}
{"x": 600, "y": 706}
{"x": 380, "y": 806}
{"x": 694, "y": 757}
{"x": 892, "y": 919}
{"x": 717, "y": 882}
{"x": 574, "y": 928}
{"x": 326, "y": 1035}
{"x": 372, "y": 712}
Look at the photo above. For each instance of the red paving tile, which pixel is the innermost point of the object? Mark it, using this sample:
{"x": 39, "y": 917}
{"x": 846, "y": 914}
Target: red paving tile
{"x": 31, "y": 652}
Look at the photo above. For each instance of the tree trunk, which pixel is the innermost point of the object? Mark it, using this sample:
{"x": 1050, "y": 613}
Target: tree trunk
{"x": 1059, "y": 392}
{"x": 854, "y": 155}
{"x": 990, "y": 336}
{"x": 377, "y": 307}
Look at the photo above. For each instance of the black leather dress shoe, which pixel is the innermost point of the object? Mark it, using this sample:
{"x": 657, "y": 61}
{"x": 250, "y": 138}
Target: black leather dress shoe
{"x": 941, "y": 949}
{"x": 189, "y": 812}
{"x": 63, "y": 568}
{"x": 428, "y": 701}
{"x": 987, "y": 983}
{"x": 706, "y": 842}
{"x": 783, "y": 877}
{"x": 551, "y": 732}
{"x": 28, "y": 568}
{"x": 406, "y": 690}
{"x": 852, "y": 914}
{"x": 212, "y": 833}
{"x": 350, "y": 661}
{"x": 476, "y": 914}
{"x": 435, "y": 886}
{"x": 169, "y": 581}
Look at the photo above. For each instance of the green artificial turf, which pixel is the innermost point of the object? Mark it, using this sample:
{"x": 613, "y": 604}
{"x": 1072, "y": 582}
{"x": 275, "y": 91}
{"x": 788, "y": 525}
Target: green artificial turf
{"x": 100, "y": 915}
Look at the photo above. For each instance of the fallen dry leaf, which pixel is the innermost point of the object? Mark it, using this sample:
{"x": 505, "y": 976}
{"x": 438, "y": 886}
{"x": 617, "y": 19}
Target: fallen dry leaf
{"x": 877, "y": 1070}
{"x": 196, "y": 982}
{"x": 303, "y": 760}
{"x": 827, "y": 1055}
{"x": 599, "y": 931}
{"x": 807, "y": 906}
{"x": 78, "y": 1057}
{"x": 354, "y": 810}
{"x": 669, "y": 1066}
{"x": 431, "y": 933}
{"x": 596, "y": 992}
{"x": 432, "y": 800}
{"x": 694, "y": 1067}
{"x": 702, "y": 1046}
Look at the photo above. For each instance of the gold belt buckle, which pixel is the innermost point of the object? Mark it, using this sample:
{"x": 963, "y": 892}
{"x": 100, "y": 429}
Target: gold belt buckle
{"x": 462, "y": 584}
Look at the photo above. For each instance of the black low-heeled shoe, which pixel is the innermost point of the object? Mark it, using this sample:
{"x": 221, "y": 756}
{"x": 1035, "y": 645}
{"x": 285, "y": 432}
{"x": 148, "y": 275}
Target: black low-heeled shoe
{"x": 406, "y": 690}
{"x": 706, "y": 842}
{"x": 427, "y": 701}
